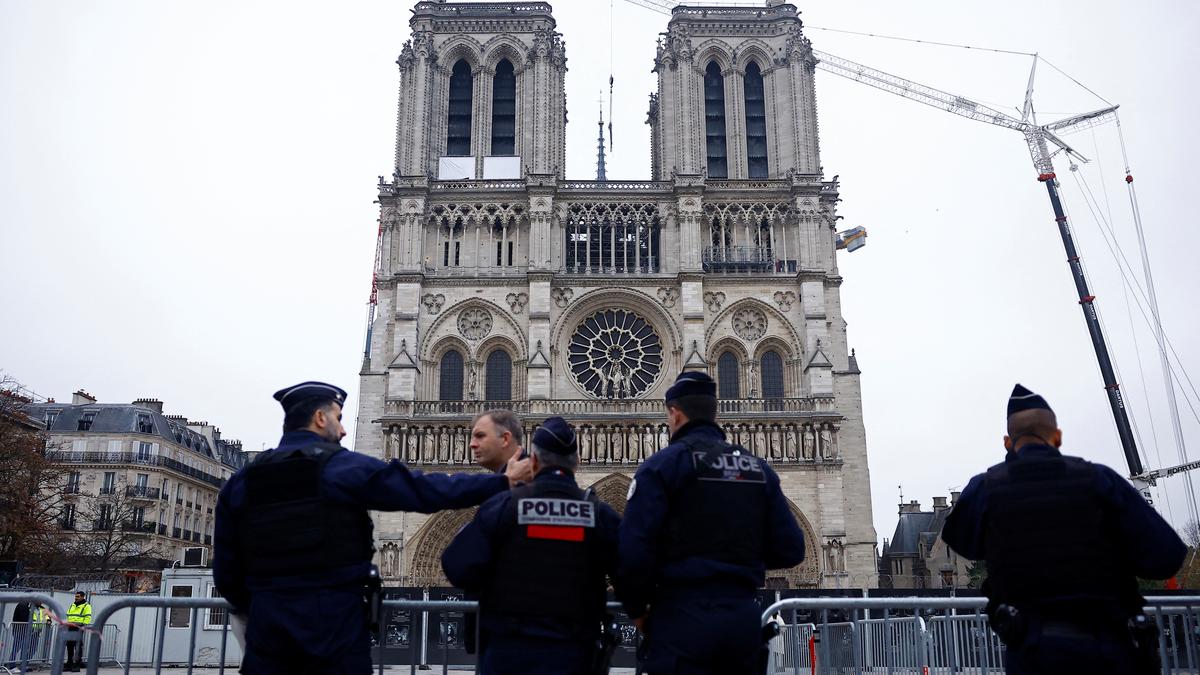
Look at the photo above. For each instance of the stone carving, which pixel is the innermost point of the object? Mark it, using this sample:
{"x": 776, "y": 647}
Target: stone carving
{"x": 668, "y": 296}
{"x": 433, "y": 302}
{"x": 749, "y": 323}
{"x": 752, "y": 378}
{"x": 835, "y": 557}
{"x": 390, "y": 557}
{"x": 675, "y": 47}
{"x": 561, "y": 296}
{"x": 472, "y": 381}
{"x": 784, "y": 299}
{"x": 827, "y": 443}
{"x": 807, "y": 438}
{"x": 474, "y": 323}
{"x": 517, "y": 301}
{"x": 714, "y": 300}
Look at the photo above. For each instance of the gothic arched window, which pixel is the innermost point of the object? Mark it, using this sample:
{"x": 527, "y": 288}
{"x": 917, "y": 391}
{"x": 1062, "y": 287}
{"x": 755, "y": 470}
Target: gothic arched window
{"x": 498, "y": 385}
{"x": 450, "y": 377}
{"x": 728, "y": 384}
{"x": 458, "y": 117}
{"x": 714, "y": 121}
{"x": 772, "y": 375}
{"x": 504, "y": 109}
{"x": 756, "y": 122}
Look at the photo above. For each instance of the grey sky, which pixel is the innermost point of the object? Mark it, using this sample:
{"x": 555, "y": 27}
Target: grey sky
{"x": 186, "y": 206}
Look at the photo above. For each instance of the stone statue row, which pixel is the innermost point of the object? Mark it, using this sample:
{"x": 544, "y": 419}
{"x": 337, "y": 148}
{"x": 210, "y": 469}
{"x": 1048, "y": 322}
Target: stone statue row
{"x": 601, "y": 444}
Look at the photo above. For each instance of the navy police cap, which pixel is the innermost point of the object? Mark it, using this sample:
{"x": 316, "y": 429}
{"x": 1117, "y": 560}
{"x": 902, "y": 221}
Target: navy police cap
{"x": 556, "y": 436}
{"x": 289, "y": 397}
{"x": 692, "y": 383}
{"x": 1022, "y": 399}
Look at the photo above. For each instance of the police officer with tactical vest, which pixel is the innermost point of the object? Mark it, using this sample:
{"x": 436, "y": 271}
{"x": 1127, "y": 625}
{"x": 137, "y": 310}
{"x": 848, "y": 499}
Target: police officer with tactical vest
{"x": 293, "y": 539}
{"x": 1065, "y": 541}
{"x": 537, "y": 557}
{"x": 704, "y": 521}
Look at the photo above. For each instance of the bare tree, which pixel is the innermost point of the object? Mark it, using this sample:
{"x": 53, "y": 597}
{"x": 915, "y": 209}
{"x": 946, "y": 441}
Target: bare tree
{"x": 117, "y": 530}
{"x": 31, "y": 499}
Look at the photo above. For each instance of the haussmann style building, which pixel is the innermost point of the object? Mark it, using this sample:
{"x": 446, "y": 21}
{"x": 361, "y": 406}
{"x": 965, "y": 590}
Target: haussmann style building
{"x": 502, "y": 283}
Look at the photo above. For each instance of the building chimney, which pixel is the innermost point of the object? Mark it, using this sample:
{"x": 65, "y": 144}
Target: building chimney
{"x": 939, "y": 504}
{"x": 81, "y": 397}
{"x": 912, "y": 507}
{"x": 151, "y": 403}
{"x": 954, "y": 495}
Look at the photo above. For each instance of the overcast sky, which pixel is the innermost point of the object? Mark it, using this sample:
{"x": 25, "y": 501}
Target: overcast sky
{"x": 186, "y": 207}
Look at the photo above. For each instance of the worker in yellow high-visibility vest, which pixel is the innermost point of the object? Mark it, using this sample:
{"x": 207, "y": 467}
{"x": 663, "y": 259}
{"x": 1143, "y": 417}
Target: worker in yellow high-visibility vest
{"x": 79, "y": 614}
{"x": 39, "y": 620}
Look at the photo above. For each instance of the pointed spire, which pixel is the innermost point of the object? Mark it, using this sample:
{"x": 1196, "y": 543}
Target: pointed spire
{"x": 600, "y": 172}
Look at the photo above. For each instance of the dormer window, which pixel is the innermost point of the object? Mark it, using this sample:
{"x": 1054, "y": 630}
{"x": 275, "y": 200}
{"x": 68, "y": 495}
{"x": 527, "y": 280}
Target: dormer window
{"x": 144, "y": 425}
{"x": 85, "y": 422}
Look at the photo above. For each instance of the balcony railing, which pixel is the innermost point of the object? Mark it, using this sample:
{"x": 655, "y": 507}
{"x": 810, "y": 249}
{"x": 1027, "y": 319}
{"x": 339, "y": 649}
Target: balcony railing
{"x": 162, "y": 529}
{"x": 745, "y": 259}
{"x": 71, "y": 457}
{"x": 102, "y": 524}
{"x": 175, "y": 532}
{"x": 71, "y": 489}
{"x": 572, "y": 409}
{"x": 187, "y": 534}
{"x": 67, "y": 524}
{"x": 139, "y": 526}
{"x": 141, "y": 492}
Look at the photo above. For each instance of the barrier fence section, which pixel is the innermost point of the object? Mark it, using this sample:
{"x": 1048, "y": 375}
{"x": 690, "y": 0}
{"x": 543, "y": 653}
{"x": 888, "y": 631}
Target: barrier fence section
{"x": 927, "y": 636}
{"x": 16, "y": 641}
{"x": 933, "y": 635}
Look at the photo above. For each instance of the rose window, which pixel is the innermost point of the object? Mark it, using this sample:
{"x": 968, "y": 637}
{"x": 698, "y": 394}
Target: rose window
{"x": 749, "y": 324}
{"x": 474, "y": 323}
{"x": 615, "y": 354}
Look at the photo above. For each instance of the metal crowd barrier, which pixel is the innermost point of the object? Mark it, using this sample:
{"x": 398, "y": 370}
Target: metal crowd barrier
{"x": 55, "y": 649}
{"x": 825, "y": 635}
{"x": 934, "y": 635}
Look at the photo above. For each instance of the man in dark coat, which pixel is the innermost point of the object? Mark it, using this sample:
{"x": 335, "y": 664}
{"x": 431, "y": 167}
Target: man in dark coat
{"x": 293, "y": 539}
{"x": 1065, "y": 541}
{"x": 704, "y": 521}
{"x": 538, "y": 558}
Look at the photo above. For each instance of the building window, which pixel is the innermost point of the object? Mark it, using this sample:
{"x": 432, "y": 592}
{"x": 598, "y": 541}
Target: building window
{"x": 142, "y": 481}
{"x": 144, "y": 424}
{"x": 215, "y": 618}
{"x": 180, "y": 617}
{"x": 772, "y": 375}
{"x": 714, "y": 121}
{"x": 110, "y": 483}
{"x": 85, "y": 422}
{"x": 728, "y": 383}
{"x": 51, "y": 415}
{"x": 104, "y": 522}
{"x": 612, "y": 239}
{"x": 504, "y": 109}
{"x": 452, "y": 235}
{"x": 68, "y": 517}
{"x": 458, "y": 120}
{"x": 498, "y": 386}
{"x": 73, "y": 483}
{"x": 451, "y": 377}
{"x": 756, "y": 121}
{"x": 144, "y": 451}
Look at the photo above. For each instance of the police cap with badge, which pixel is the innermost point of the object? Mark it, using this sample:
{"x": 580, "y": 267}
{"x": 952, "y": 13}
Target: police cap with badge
{"x": 290, "y": 397}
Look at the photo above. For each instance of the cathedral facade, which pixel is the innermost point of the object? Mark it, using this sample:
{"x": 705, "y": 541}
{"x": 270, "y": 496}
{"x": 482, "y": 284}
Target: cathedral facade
{"x": 503, "y": 284}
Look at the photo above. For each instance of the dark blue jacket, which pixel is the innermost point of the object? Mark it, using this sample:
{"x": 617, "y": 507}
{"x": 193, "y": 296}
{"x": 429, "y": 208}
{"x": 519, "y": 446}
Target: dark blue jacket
{"x": 1155, "y": 550}
{"x": 639, "y": 570}
{"x": 351, "y": 478}
{"x": 469, "y": 560}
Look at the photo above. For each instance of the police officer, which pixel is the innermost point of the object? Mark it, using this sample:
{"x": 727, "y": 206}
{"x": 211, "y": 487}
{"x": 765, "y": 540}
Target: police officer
{"x": 293, "y": 540}
{"x": 1064, "y": 541}
{"x": 537, "y": 557}
{"x": 704, "y": 521}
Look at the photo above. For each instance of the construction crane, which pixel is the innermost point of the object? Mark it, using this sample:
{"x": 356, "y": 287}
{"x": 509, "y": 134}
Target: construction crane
{"x": 1039, "y": 138}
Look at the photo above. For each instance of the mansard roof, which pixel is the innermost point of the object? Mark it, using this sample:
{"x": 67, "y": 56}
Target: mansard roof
{"x": 123, "y": 418}
{"x": 909, "y": 529}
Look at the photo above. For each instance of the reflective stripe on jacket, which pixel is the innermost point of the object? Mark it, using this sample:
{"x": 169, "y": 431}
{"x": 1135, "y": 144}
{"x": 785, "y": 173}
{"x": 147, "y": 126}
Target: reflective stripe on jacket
{"x": 80, "y": 614}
